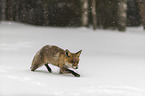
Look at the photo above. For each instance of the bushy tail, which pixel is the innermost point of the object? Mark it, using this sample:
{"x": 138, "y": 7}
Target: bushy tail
{"x": 37, "y": 61}
{"x": 34, "y": 67}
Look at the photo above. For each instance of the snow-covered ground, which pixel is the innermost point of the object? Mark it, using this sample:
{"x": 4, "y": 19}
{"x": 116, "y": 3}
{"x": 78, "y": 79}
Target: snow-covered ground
{"x": 112, "y": 63}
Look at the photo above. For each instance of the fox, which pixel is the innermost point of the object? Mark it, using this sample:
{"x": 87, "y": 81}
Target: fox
{"x": 51, "y": 54}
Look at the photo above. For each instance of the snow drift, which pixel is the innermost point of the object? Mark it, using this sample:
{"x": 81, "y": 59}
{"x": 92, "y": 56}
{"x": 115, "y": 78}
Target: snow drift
{"x": 112, "y": 63}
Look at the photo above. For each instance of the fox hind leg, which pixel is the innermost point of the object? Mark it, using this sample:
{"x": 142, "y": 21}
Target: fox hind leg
{"x": 48, "y": 68}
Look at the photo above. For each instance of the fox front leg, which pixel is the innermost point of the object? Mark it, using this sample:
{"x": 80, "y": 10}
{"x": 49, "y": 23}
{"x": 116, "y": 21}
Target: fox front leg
{"x": 72, "y": 72}
{"x": 65, "y": 70}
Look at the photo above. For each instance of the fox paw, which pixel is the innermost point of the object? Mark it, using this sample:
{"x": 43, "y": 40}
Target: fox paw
{"x": 77, "y": 75}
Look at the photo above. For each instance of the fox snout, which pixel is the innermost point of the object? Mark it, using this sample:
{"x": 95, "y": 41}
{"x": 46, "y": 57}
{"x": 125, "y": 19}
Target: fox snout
{"x": 75, "y": 67}
{"x": 71, "y": 66}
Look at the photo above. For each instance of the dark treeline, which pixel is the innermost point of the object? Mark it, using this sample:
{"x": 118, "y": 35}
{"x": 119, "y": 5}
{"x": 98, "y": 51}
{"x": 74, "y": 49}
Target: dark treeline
{"x": 43, "y": 12}
{"x": 69, "y": 12}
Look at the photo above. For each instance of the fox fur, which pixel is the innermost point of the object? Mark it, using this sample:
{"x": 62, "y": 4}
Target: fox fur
{"x": 54, "y": 55}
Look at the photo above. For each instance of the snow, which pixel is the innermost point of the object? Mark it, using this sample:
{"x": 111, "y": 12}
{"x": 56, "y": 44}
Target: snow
{"x": 111, "y": 64}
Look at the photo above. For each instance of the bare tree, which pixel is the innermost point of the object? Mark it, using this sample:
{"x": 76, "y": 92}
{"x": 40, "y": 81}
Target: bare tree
{"x": 10, "y": 10}
{"x": 85, "y": 12}
{"x": 45, "y": 12}
{"x": 0, "y": 10}
{"x": 94, "y": 18}
{"x": 122, "y": 15}
{"x": 3, "y": 5}
{"x": 141, "y": 6}
{"x": 17, "y": 8}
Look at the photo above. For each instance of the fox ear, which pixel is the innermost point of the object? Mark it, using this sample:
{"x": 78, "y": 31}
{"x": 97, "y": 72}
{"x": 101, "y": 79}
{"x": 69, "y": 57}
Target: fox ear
{"x": 67, "y": 53}
{"x": 78, "y": 53}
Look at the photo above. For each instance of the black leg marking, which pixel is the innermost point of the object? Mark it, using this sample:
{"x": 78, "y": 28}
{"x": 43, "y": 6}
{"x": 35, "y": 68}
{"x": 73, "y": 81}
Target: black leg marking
{"x": 48, "y": 68}
{"x": 74, "y": 73}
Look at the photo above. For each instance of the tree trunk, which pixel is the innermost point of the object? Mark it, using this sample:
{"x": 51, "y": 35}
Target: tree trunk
{"x": 10, "y": 10}
{"x": 45, "y": 13}
{"x": 23, "y": 11}
{"x": 93, "y": 9}
{"x": 3, "y": 5}
{"x": 122, "y": 15}
{"x": 141, "y": 6}
{"x": 17, "y": 8}
{"x": 0, "y": 10}
{"x": 85, "y": 12}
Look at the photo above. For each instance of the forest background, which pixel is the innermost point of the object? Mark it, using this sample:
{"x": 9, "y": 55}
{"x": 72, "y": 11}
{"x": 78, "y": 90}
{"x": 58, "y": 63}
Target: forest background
{"x": 104, "y": 14}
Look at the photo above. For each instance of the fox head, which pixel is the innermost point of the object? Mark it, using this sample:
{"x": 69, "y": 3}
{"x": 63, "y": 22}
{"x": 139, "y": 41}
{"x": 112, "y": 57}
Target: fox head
{"x": 72, "y": 59}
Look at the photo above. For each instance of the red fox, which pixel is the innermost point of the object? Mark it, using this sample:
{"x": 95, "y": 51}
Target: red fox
{"x": 54, "y": 55}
